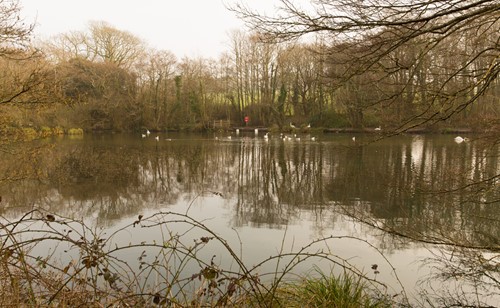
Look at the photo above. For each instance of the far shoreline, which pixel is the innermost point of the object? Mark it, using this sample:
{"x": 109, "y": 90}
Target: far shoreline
{"x": 339, "y": 130}
{"x": 31, "y": 133}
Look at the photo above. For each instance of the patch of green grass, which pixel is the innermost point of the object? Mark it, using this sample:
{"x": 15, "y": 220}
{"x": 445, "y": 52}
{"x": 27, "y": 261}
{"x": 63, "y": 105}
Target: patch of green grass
{"x": 322, "y": 290}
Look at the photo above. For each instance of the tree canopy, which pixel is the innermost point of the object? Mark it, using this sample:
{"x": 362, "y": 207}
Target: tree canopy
{"x": 443, "y": 54}
{"x": 396, "y": 64}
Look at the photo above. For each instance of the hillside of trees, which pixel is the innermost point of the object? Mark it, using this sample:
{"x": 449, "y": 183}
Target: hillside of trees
{"x": 434, "y": 73}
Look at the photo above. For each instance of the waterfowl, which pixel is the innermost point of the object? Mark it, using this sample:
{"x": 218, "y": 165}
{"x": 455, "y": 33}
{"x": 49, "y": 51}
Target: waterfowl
{"x": 459, "y": 139}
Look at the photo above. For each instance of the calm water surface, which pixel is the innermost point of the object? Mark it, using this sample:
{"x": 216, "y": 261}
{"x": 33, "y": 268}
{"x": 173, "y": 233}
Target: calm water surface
{"x": 266, "y": 196}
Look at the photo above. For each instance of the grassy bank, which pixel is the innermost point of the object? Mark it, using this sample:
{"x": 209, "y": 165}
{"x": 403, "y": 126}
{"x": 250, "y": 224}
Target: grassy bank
{"x": 309, "y": 291}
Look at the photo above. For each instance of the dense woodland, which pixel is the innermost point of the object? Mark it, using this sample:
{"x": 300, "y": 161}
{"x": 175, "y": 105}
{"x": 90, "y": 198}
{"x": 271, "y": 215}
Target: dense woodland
{"x": 435, "y": 73}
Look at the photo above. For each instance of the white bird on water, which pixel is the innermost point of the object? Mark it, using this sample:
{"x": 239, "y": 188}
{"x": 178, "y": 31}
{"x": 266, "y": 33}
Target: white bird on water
{"x": 378, "y": 128}
{"x": 157, "y": 138}
{"x": 143, "y": 135}
{"x": 292, "y": 126}
{"x": 353, "y": 138}
{"x": 148, "y": 132}
{"x": 459, "y": 139}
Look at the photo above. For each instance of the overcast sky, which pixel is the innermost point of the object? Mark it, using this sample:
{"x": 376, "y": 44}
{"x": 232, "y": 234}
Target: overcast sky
{"x": 189, "y": 28}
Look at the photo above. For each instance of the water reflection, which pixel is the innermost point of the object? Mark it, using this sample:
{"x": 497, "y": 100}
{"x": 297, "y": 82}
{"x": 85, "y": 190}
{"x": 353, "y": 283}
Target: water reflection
{"x": 420, "y": 185}
{"x": 403, "y": 181}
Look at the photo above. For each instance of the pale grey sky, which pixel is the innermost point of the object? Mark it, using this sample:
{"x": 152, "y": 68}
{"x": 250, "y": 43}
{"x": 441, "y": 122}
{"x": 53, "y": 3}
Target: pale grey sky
{"x": 189, "y": 28}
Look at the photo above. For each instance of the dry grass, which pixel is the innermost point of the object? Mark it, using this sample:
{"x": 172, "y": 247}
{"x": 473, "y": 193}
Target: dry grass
{"x": 171, "y": 273}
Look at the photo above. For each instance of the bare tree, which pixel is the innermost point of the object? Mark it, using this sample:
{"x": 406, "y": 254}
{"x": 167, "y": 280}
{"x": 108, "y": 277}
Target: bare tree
{"x": 102, "y": 42}
{"x": 157, "y": 95}
{"x": 459, "y": 37}
{"x": 14, "y": 47}
{"x": 115, "y": 46}
{"x": 67, "y": 46}
{"x": 14, "y": 32}
{"x": 423, "y": 62}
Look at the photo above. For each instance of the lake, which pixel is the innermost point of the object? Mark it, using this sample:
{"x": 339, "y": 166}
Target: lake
{"x": 272, "y": 195}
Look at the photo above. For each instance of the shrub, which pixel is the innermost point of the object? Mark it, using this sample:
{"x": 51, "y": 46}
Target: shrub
{"x": 29, "y": 133}
{"x": 170, "y": 271}
{"x": 57, "y": 131}
{"x": 330, "y": 119}
{"x": 45, "y": 132}
{"x": 75, "y": 131}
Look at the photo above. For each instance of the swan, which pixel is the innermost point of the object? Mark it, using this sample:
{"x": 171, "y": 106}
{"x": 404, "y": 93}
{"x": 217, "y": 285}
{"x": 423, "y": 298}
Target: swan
{"x": 157, "y": 138}
{"x": 292, "y": 126}
{"x": 378, "y": 128}
{"x": 148, "y": 132}
{"x": 459, "y": 139}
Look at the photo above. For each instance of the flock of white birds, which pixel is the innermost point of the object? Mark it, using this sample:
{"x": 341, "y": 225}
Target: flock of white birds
{"x": 293, "y": 137}
{"x": 266, "y": 137}
{"x": 157, "y": 138}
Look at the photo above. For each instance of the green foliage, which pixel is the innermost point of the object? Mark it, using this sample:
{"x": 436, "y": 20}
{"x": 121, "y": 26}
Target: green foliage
{"x": 75, "y": 131}
{"x": 29, "y": 133}
{"x": 330, "y": 119}
{"x": 321, "y": 290}
{"x": 57, "y": 131}
{"x": 45, "y": 132}
{"x": 371, "y": 120}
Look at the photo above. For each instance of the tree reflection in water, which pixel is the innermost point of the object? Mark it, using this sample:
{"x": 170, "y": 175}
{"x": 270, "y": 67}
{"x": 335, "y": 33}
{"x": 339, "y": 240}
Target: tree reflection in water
{"x": 422, "y": 187}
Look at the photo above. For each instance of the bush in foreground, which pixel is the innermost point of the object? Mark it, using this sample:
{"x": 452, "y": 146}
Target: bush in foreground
{"x": 48, "y": 260}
